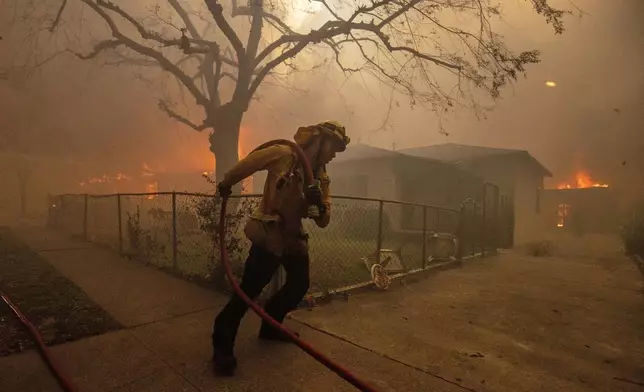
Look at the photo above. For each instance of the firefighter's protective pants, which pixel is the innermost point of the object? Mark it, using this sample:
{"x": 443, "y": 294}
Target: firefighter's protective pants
{"x": 260, "y": 267}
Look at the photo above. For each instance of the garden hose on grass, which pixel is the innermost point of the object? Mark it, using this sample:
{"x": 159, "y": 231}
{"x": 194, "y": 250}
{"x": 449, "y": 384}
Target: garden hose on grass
{"x": 318, "y": 356}
{"x": 63, "y": 380}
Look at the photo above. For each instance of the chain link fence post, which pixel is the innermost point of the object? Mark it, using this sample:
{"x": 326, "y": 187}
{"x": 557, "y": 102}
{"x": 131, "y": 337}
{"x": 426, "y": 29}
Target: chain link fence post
{"x": 484, "y": 216}
{"x": 174, "y": 230}
{"x": 497, "y": 218}
{"x": 424, "y": 237}
{"x": 460, "y": 234}
{"x": 379, "y": 237}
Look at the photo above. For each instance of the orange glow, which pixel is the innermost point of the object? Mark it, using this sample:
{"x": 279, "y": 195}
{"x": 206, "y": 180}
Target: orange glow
{"x": 582, "y": 180}
{"x": 188, "y": 157}
{"x": 147, "y": 171}
{"x": 152, "y": 187}
{"x": 242, "y": 147}
{"x": 563, "y": 210}
{"x": 104, "y": 179}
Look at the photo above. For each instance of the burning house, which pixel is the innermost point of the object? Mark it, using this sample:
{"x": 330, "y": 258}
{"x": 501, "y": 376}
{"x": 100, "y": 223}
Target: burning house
{"x": 583, "y": 206}
{"x": 147, "y": 182}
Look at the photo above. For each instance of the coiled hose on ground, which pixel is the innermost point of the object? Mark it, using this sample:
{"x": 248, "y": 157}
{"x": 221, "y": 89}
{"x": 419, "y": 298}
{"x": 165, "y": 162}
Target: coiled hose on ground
{"x": 331, "y": 365}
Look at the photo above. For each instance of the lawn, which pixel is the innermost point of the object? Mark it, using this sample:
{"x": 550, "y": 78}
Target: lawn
{"x": 336, "y": 260}
{"x": 337, "y": 251}
{"x": 58, "y": 308}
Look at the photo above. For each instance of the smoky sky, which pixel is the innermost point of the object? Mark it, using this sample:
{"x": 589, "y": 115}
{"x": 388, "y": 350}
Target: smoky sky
{"x": 107, "y": 118}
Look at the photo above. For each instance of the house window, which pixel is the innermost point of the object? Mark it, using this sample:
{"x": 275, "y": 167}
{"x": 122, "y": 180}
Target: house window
{"x": 563, "y": 211}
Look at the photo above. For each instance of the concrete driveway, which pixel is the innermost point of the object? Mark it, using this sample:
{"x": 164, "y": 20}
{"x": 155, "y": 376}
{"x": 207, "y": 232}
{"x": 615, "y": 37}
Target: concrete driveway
{"x": 572, "y": 322}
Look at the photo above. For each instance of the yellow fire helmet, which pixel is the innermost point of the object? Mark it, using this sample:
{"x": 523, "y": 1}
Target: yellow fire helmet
{"x": 332, "y": 128}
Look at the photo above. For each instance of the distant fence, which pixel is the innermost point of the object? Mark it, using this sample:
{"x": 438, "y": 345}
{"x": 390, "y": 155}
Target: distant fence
{"x": 167, "y": 230}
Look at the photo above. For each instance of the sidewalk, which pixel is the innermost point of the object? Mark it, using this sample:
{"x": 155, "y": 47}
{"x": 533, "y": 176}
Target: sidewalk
{"x": 166, "y": 345}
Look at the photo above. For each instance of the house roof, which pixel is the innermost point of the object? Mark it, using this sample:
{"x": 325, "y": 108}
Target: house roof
{"x": 363, "y": 151}
{"x": 458, "y": 153}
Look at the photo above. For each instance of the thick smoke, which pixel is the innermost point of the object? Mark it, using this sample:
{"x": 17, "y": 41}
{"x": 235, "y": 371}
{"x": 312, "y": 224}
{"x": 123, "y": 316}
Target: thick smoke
{"x": 107, "y": 120}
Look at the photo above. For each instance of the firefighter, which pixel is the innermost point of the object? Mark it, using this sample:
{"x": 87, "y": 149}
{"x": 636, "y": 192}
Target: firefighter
{"x": 276, "y": 232}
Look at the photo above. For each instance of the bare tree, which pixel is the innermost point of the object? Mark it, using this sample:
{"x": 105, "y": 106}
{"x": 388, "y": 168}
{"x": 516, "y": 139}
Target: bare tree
{"x": 419, "y": 48}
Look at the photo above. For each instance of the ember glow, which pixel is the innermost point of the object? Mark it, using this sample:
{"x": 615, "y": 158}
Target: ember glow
{"x": 582, "y": 180}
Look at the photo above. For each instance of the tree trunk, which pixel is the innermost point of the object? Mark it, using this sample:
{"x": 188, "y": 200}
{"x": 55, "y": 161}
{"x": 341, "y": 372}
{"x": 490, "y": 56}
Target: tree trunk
{"x": 224, "y": 142}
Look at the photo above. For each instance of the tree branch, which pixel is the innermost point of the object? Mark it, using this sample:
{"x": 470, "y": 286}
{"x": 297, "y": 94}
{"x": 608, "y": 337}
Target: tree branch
{"x": 149, "y": 52}
{"x": 174, "y": 115}
{"x": 213, "y": 60}
{"x": 228, "y": 75}
{"x": 272, "y": 19}
{"x": 217, "y": 12}
{"x": 182, "y": 43}
{"x": 255, "y": 30}
{"x": 59, "y": 15}
{"x": 330, "y": 30}
{"x": 185, "y": 18}
{"x": 100, "y": 47}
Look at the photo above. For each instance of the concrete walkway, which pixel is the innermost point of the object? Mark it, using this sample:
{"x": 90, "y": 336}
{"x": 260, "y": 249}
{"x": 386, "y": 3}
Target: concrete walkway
{"x": 166, "y": 346}
{"x": 510, "y": 323}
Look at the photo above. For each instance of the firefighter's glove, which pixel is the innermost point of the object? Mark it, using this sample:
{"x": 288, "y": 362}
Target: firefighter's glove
{"x": 313, "y": 194}
{"x": 224, "y": 190}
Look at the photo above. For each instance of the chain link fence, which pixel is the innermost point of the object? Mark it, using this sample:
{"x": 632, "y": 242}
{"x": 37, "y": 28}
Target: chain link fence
{"x": 176, "y": 233}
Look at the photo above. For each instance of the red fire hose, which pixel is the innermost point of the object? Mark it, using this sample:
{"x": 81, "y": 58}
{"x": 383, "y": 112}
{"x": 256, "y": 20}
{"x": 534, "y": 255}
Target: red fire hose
{"x": 336, "y": 368}
{"x": 63, "y": 380}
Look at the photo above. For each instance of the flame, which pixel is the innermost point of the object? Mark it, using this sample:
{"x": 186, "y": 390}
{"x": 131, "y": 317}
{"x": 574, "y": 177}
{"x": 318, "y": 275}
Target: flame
{"x": 563, "y": 210}
{"x": 582, "y": 180}
{"x": 105, "y": 179}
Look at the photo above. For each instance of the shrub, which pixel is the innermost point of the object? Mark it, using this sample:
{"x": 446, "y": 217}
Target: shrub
{"x": 632, "y": 231}
{"x": 540, "y": 248}
{"x": 207, "y": 209}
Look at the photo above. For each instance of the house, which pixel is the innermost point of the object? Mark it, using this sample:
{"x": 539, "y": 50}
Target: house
{"x": 517, "y": 174}
{"x": 371, "y": 172}
{"x": 368, "y": 172}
